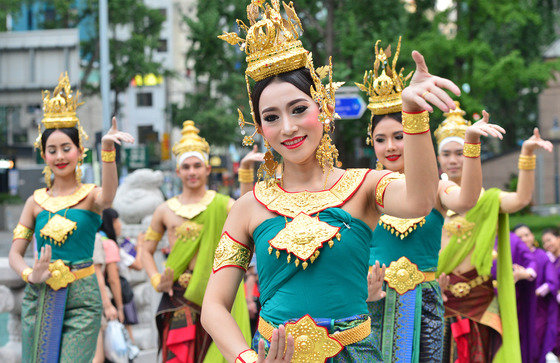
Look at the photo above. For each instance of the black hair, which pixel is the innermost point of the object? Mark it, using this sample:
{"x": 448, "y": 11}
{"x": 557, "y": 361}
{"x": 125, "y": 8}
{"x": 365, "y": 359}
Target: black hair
{"x": 375, "y": 119}
{"x": 301, "y": 78}
{"x": 520, "y": 225}
{"x": 107, "y": 226}
{"x": 71, "y": 132}
{"x": 553, "y": 231}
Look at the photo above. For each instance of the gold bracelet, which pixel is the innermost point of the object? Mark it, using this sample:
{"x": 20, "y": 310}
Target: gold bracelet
{"x": 22, "y": 232}
{"x": 25, "y": 274}
{"x": 155, "y": 280}
{"x": 471, "y": 150}
{"x": 416, "y": 123}
{"x": 247, "y": 356}
{"x": 108, "y": 156}
{"x": 527, "y": 162}
{"x": 245, "y": 176}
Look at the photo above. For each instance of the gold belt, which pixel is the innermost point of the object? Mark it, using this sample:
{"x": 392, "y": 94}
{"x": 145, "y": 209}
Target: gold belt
{"x": 61, "y": 275}
{"x": 184, "y": 279}
{"x": 462, "y": 289}
{"x": 403, "y": 275}
{"x": 313, "y": 343}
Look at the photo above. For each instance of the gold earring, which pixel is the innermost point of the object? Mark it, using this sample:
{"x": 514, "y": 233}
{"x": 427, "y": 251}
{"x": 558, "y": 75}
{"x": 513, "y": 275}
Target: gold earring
{"x": 327, "y": 154}
{"x": 379, "y": 166}
{"x": 47, "y": 172}
{"x": 79, "y": 171}
{"x": 267, "y": 170}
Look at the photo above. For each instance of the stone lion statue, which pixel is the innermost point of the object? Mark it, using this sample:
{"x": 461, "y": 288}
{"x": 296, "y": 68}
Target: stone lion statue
{"x": 139, "y": 195}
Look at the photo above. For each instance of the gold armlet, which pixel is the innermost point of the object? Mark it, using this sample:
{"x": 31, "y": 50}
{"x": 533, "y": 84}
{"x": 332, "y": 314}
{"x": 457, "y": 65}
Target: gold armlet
{"x": 231, "y": 253}
{"x": 415, "y": 123}
{"x": 247, "y": 356}
{"x": 152, "y": 235}
{"x": 471, "y": 150}
{"x": 25, "y": 274}
{"x": 382, "y": 184}
{"x": 155, "y": 280}
{"x": 22, "y": 232}
{"x": 108, "y": 156}
{"x": 527, "y": 162}
{"x": 246, "y": 176}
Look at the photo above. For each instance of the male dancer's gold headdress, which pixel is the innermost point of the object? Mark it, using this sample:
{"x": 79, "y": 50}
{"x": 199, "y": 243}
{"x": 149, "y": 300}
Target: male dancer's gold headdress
{"x": 191, "y": 144}
{"x": 453, "y": 128}
{"x": 384, "y": 89}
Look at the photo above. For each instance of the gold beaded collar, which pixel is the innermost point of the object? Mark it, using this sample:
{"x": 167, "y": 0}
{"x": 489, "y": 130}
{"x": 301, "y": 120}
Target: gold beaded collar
{"x": 304, "y": 235}
{"x": 290, "y": 204}
{"x": 54, "y": 204}
{"x": 189, "y": 211}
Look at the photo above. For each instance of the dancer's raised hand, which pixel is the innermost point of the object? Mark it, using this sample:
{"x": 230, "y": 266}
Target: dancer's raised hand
{"x": 483, "y": 128}
{"x": 375, "y": 280}
{"x": 114, "y": 136}
{"x": 426, "y": 90}
{"x": 281, "y": 348}
{"x": 535, "y": 142}
{"x": 41, "y": 271}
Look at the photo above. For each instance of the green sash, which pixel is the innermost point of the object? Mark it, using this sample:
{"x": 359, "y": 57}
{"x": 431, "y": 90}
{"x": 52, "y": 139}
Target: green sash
{"x": 486, "y": 215}
{"x": 203, "y": 246}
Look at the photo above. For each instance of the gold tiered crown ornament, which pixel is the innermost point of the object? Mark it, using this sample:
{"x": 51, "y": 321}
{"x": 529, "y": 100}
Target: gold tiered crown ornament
{"x": 272, "y": 48}
{"x": 191, "y": 141}
{"x": 384, "y": 89}
{"x": 59, "y": 111}
{"x": 454, "y": 125}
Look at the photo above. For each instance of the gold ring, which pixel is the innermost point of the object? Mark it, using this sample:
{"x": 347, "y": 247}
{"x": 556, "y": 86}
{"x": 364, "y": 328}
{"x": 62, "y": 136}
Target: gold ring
{"x": 425, "y": 93}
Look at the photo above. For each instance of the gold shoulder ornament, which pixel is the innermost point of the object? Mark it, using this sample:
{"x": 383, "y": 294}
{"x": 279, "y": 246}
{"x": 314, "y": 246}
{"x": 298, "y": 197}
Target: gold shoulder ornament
{"x": 189, "y": 211}
{"x": 305, "y": 235}
{"x": 383, "y": 183}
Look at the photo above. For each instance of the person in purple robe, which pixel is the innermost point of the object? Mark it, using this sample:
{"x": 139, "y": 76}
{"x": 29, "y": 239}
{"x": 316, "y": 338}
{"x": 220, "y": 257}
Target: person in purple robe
{"x": 551, "y": 243}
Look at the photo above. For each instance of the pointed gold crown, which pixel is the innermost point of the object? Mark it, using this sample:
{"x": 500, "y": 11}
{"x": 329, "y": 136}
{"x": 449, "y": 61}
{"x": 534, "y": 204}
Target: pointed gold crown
{"x": 272, "y": 48}
{"x": 453, "y": 125}
{"x": 384, "y": 90}
{"x": 271, "y": 44}
{"x": 59, "y": 111}
{"x": 190, "y": 141}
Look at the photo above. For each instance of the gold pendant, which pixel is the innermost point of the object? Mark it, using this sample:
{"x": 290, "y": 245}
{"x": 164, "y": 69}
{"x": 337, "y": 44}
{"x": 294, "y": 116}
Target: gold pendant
{"x": 58, "y": 229}
{"x": 303, "y": 236}
{"x": 460, "y": 227}
{"x": 399, "y": 226}
{"x": 188, "y": 231}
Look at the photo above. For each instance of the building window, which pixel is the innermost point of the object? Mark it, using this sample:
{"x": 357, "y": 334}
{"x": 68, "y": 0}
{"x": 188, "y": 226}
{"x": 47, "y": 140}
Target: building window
{"x": 162, "y": 46}
{"x": 144, "y": 99}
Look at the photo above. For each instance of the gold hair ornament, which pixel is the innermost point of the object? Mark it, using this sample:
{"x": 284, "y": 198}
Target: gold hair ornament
{"x": 384, "y": 89}
{"x": 453, "y": 125}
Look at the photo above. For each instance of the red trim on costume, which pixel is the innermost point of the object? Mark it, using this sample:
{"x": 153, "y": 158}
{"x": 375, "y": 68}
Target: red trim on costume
{"x": 413, "y": 113}
{"x": 459, "y": 330}
{"x": 376, "y": 185}
{"x": 416, "y": 133}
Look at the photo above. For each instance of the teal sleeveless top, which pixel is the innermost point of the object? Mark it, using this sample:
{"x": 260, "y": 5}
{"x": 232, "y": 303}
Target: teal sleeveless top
{"x": 421, "y": 245}
{"x": 334, "y": 286}
{"x": 78, "y": 246}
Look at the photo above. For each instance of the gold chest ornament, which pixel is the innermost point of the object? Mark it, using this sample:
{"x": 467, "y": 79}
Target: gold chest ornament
{"x": 458, "y": 226}
{"x": 304, "y": 235}
{"x": 59, "y": 228}
{"x": 400, "y": 227}
{"x": 189, "y": 211}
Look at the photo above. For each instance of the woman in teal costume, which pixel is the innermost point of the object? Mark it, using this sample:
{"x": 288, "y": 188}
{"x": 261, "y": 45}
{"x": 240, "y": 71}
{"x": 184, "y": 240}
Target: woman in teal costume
{"x": 408, "y": 322}
{"x": 311, "y": 230}
{"x": 61, "y": 311}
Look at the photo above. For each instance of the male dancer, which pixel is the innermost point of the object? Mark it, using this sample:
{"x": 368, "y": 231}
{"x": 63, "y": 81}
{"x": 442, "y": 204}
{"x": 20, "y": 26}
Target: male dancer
{"x": 193, "y": 221}
{"x": 478, "y": 322}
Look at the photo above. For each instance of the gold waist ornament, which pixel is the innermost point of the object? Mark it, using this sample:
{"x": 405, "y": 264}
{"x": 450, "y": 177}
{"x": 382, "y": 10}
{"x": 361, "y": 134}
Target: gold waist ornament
{"x": 462, "y": 289}
{"x": 61, "y": 275}
{"x": 313, "y": 343}
{"x": 403, "y": 275}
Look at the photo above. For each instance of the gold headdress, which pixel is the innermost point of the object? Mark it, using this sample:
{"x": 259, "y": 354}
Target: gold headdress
{"x": 272, "y": 48}
{"x": 384, "y": 90}
{"x": 454, "y": 125}
{"x": 59, "y": 111}
{"x": 191, "y": 142}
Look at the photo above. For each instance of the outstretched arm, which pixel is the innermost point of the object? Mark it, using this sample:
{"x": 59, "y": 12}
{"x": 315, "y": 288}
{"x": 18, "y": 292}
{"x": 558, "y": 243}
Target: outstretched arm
{"x": 109, "y": 176}
{"x": 246, "y": 169}
{"x": 461, "y": 200}
{"x": 416, "y": 196}
{"x": 513, "y": 202}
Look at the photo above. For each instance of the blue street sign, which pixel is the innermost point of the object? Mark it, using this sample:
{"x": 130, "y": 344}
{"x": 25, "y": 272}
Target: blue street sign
{"x": 350, "y": 106}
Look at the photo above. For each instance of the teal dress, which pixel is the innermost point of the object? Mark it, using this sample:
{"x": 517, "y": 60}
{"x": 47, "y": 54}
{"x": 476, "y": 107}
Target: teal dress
{"x": 409, "y": 327}
{"x": 333, "y": 289}
{"x": 63, "y": 325}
